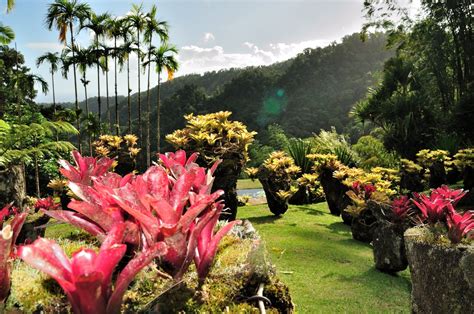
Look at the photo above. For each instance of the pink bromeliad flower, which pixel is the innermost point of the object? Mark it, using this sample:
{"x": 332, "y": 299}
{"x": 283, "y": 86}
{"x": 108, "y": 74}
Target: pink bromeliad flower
{"x": 171, "y": 202}
{"x": 208, "y": 242}
{"x": 97, "y": 212}
{"x": 449, "y": 194}
{"x": 401, "y": 207}
{"x": 174, "y": 205}
{"x": 8, "y": 235}
{"x": 433, "y": 207}
{"x": 459, "y": 225}
{"x": 86, "y": 168}
{"x": 46, "y": 203}
{"x": 86, "y": 277}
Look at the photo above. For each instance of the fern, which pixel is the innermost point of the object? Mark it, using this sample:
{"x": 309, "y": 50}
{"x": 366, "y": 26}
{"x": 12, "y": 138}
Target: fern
{"x": 23, "y": 143}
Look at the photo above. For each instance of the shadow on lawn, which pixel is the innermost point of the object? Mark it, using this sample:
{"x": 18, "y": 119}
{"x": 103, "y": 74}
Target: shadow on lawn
{"x": 309, "y": 210}
{"x": 339, "y": 228}
{"x": 264, "y": 219}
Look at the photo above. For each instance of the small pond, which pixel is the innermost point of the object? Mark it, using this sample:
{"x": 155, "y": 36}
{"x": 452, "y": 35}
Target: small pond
{"x": 251, "y": 192}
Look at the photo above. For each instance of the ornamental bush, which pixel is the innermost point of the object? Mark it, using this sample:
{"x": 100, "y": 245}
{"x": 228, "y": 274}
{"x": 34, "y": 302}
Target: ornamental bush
{"x": 278, "y": 175}
{"x": 215, "y": 137}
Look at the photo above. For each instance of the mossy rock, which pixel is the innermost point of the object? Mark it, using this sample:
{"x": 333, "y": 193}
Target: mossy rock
{"x": 442, "y": 274}
{"x": 239, "y": 268}
{"x": 34, "y": 292}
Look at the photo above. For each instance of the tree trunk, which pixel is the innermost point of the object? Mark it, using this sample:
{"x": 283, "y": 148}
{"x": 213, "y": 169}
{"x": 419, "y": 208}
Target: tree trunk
{"x": 13, "y": 185}
{"x": 139, "y": 97}
{"x": 78, "y": 118}
{"x": 158, "y": 126}
{"x": 109, "y": 114}
{"x": 148, "y": 111}
{"x": 37, "y": 181}
{"x": 99, "y": 103}
{"x": 117, "y": 121}
{"x": 129, "y": 104}
{"x": 54, "y": 95}
{"x": 87, "y": 115}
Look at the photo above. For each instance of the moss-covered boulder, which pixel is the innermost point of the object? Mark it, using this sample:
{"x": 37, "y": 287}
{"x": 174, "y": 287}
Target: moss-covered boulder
{"x": 240, "y": 266}
{"x": 442, "y": 274}
{"x": 389, "y": 247}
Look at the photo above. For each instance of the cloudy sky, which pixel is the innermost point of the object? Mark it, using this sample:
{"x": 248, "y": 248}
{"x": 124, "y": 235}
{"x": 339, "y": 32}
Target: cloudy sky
{"x": 210, "y": 34}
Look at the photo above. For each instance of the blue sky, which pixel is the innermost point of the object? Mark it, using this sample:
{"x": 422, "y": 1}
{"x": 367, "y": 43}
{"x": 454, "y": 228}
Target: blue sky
{"x": 210, "y": 34}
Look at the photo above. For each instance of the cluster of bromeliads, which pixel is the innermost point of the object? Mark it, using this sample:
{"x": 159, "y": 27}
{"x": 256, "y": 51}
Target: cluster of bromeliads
{"x": 167, "y": 214}
{"x": 388, "y": 208}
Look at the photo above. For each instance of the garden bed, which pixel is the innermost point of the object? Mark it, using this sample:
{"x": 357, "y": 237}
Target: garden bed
{"x": 240, "y": 267}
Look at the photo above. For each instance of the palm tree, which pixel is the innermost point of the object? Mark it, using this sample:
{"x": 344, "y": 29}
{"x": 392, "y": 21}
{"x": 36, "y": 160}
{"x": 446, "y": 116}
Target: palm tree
{"x": 137, "y": 20}
{"x": 152, "y": 26}
{"x": 96, "y": 23}
{"x": 53, "y": 59}
{"x": 164, "y": 59}
{"x": 6, "y": 34}
{"x": 83, "y": 58}
{"x": 124, "y": 58}
{"x": 124, "y": 52}
{"x": 64, "y": 14}
{"x": 104, "y": 64}
{"x": 115, "y": 31}
{"x": 10, "y": 5}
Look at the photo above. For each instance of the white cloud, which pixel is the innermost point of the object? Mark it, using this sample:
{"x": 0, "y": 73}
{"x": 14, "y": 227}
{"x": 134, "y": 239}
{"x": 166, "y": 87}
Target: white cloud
{"x": 208, "y": 37}
{"x": 47, "y": 46}
{"x": 195, "y": 59}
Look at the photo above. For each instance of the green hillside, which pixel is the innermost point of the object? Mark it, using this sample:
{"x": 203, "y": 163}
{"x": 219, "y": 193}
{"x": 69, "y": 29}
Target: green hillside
{"x": 313, "y": 91}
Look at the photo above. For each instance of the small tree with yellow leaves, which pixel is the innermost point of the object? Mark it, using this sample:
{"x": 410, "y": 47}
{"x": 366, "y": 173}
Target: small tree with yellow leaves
{"x": 278, "y": 177}
{"x": 123, "y": 149}
{"x": 216, "y": 137}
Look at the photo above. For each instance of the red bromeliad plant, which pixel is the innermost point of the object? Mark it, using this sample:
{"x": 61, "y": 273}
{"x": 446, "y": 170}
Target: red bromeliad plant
{"x": 433, "y": 208}
{"x": 439, "y": 207}
{"x": 46, "y": 203}
{"x": 86, "y": 168}
{"x": 8, "y": 235}
{"x": 364, "y": 190}
{"x": 86, "y": 278}
{"x": 207, "y": 245}
{"x": 459, "y": 225}
{"x": 171, "y": 202}
{"x": 401, "y": 207}
{"x": 446, "y": 193}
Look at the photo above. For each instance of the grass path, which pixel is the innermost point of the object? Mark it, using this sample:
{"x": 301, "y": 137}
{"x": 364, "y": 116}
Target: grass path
{"x": 330, "y": 272}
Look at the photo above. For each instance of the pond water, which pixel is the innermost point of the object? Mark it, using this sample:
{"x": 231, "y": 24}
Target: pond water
{"x": 251, "y": 192}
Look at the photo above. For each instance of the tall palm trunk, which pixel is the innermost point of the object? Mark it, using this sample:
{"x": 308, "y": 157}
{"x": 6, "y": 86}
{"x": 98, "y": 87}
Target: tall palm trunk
{"x": 99, "y": 103}
{"x": 139, "y": 97}
{"x": 87, "y": 113}
{"x": 158, "y": 105}
{"x": 109, "y": 116}
{"x": 148, "y": 113}
{"x": 37, "y": 181}
{"x": 54, "y": 95}
{"x": 78, "y": 121}
{"x": 117, "y": 122}
{"x": 129, "y": 104}
{"x": 54, "y": 99}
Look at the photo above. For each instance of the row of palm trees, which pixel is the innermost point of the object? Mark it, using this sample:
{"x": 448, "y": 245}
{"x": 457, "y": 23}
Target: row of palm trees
{"x": 132, "y": 34}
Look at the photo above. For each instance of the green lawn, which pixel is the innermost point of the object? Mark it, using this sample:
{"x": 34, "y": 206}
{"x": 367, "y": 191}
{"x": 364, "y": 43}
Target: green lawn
{"x": 248, "y": 184}
{"x": 327, "y": 271}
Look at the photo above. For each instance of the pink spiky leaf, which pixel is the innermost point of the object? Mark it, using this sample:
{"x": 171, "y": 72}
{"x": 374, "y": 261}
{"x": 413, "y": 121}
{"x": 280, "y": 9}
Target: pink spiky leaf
{"x": 141, "y": 260}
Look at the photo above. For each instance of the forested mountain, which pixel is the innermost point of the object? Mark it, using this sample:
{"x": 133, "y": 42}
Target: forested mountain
{"x": 313, "y": 91}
